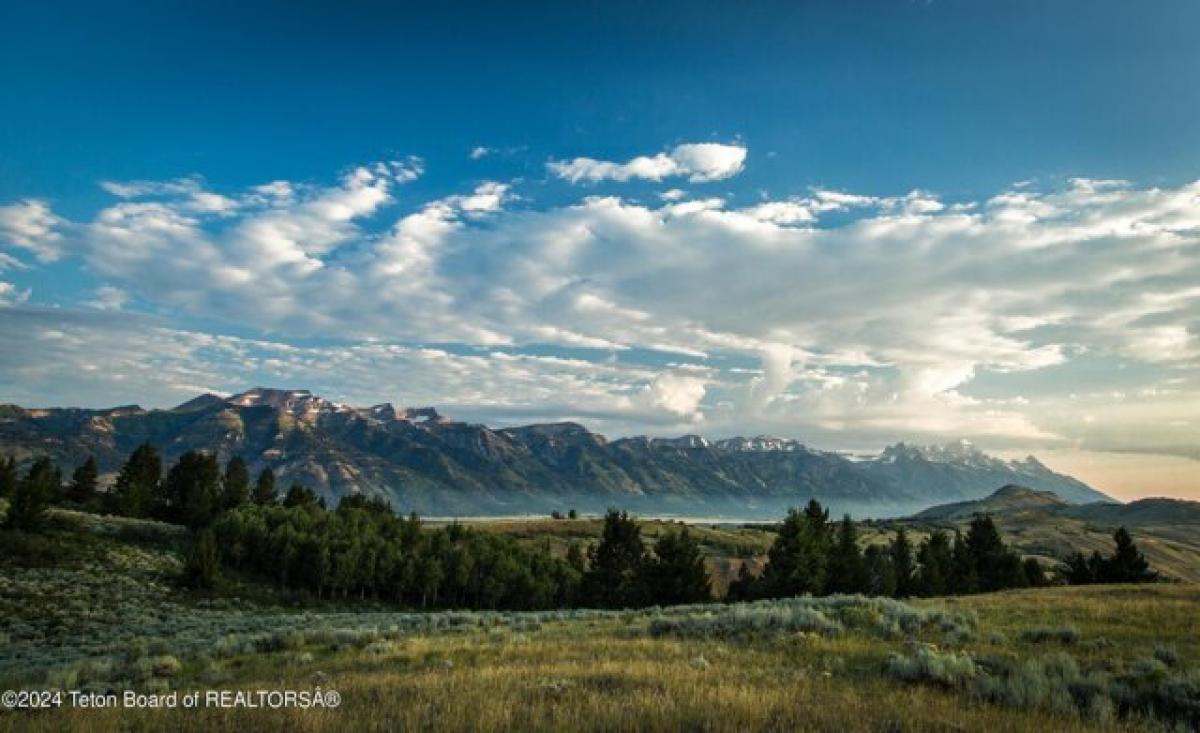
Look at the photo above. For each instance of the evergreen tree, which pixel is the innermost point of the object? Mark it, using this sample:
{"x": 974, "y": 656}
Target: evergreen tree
{"x": 902, "y": 563}
{"x": 676, "y": 574}
{"x": 1035, "y": 575}
{"x": 264, "y": 488}
{"x": 847, "y": 573}
{"x": 193, "y": 489}
{"x": 995, "y": 566}
{"x": 302, "y": 496}
{"x": 203, "y": 564}
{"x": 1127, "y": 564}
{"x": 745, "y": 587}
{"x": 881, "y": 576}
{"x": 1098, "y": 568}
{"x": 33, "y": 495}
{"x": 8, "y": 477}
{"x": 1079, "y": 572}
{"x": 136, "y": 493}
{"x": 818, "y": 518}
{"x": 964, "y": 579}
{"x": 82, "y": 490}
{"x": 796, "y": 562}
{"x": 615, "y": 564}
{"x": 235, "y": 484}
{"x": 936, "y": 558}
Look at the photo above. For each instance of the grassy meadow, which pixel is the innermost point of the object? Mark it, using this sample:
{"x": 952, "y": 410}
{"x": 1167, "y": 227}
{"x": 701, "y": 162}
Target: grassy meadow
{"x": 96, "y": 607}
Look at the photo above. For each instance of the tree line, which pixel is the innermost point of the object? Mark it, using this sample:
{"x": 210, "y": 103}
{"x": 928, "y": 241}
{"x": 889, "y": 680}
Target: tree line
{"x": 813, "y": 555}
{"x": 363, "y": 549}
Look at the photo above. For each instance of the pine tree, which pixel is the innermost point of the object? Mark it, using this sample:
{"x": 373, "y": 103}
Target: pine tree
{"x": 1035, "y": 575}
{"x": 996, "y": 566}
{"x": 193, "y": 489}
{"x": 136, "y": 493}
{"x": 902, "y": 563}
{"x": 745, "y": 587}
{"x": 1079, "y": 572}
{"x": 1127, "y": 564}
{"x": 796, "y": 562}
{"x": 676, "y": 574}
{"x": 235, "y": 484}
{"x": 204, "y": 563}
{"x": 1098, "y": 568}
{"x": 299, "y": 495}
{"x": 32, "y": 496}
{"x": 936, "y": 559}
{"x": 264, "y": 488}
{"x": 881, "y": 576}
{"x": 8, "y": 477}
{"x": 847, "y": 573}
{"x": 964, "y": 578}
{"x": 615, "y": 564}
{"x": 82, "y": 490}
{"x": 818, "y": 519}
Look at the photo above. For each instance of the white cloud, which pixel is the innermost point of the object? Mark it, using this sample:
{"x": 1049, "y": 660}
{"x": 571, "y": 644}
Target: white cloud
{"x": 699, "y": 162}
{"x": 30, "y": 225}
{"x": 11, "y": 295}
{"x": 872, "y": 327}
{"x": 107, "y": 297}
{"x": 480, "y": 151}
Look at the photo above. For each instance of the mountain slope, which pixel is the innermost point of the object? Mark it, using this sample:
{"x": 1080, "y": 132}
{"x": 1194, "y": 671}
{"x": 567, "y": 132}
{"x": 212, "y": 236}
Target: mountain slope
{"x": 422, "y": 461}
{"x": 1006, "y": 499}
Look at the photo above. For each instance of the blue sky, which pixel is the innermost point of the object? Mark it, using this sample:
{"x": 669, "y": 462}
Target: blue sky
{"x": 812, "y": 219}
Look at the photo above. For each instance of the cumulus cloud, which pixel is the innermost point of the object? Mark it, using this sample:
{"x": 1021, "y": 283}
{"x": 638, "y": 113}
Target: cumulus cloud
{"x": 699, "y": 162}
{"x": 874, "y": 324}
{"x": 107, "y": 297}
{"x": 11, "y": 295}
{"x": 30, "y": 225}
{"x": 97, "y": 358}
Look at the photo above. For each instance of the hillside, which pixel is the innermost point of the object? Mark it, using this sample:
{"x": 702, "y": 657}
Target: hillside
{"x": 1008, "y": 498}
{"x": 105, "y": 612}
{"x": 1041, "y": 524}
{"x": 423, "y": 461}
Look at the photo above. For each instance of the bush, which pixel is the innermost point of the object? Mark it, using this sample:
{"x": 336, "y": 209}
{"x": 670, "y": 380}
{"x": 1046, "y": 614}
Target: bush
{"x": 945, "y": 669}
{"x": 1166, "y": 655}
{"x": 1051, "y": 634}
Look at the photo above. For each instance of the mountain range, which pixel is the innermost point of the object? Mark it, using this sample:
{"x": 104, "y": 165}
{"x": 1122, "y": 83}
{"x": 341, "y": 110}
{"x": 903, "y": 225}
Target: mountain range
{"x": 423, "y": 461}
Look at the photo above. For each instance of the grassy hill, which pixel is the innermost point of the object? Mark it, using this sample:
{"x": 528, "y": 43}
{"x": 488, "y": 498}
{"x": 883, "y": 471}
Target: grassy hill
{"x": 1040, "y": 524}
{"x": 97, "y": 607}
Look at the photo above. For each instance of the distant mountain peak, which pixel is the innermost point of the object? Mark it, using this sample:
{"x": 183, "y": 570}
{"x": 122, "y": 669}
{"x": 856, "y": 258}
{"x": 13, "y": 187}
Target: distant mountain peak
{"x": 761, "y": 443}
{"x": 958, "y": 451}
{"x": 200, "y": 402}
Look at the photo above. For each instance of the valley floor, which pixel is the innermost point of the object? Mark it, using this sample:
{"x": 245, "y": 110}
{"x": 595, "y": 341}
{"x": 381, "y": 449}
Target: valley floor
{"x": 104, "y": 616}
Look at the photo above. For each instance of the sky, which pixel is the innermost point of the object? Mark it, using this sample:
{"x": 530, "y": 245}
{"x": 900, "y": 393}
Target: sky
{"x": 846, "y": 223}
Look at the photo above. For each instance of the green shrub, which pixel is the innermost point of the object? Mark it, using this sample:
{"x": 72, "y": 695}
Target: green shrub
{"x": 945, "y": 669}
{"x": 1051, "y": 634}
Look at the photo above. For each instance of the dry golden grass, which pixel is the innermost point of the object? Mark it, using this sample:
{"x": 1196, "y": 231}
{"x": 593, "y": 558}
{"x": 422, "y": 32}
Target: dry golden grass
{"x": 608, "y": 676}
{"x": 590, "y": 681}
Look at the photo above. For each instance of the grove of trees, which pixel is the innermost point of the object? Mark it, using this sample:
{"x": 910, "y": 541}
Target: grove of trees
{"x": 362, "y": 549}
{"x": 1125, "y": 565}
{"x": 815, "y": 556}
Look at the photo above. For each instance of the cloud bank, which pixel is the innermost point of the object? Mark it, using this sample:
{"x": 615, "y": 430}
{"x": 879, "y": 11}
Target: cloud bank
{"x": 843, "y": 318}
